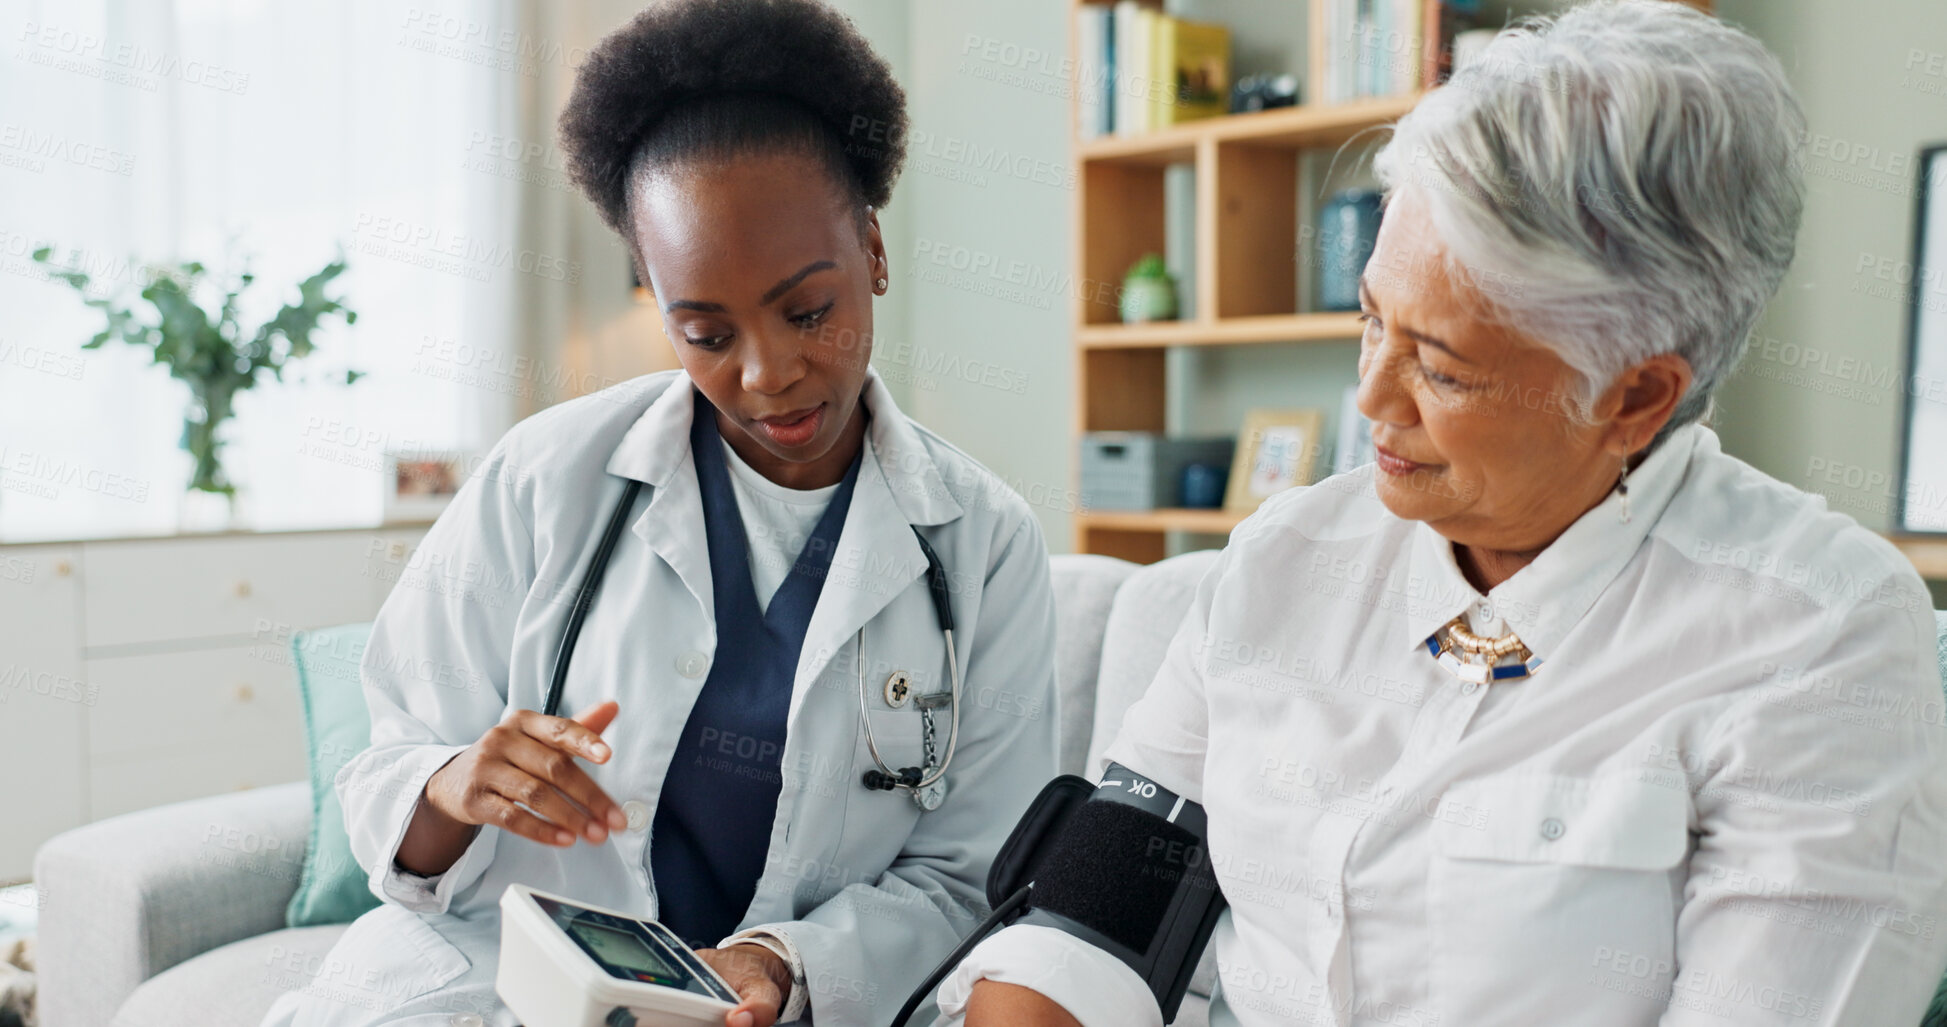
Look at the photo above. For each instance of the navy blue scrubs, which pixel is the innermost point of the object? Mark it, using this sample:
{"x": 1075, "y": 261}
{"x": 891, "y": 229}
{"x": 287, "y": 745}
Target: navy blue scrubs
{"x": 713, "y": 824}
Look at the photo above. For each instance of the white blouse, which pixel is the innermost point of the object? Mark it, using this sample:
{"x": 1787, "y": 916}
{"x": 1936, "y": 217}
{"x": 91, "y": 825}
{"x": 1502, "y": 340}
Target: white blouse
{"x": 1719, "y": 798}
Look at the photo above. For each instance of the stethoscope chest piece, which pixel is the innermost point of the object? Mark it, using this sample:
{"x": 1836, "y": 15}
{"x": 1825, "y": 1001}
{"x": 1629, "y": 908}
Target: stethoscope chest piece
{"x": 929, "y": 797}
{"x": 899, "y": 689}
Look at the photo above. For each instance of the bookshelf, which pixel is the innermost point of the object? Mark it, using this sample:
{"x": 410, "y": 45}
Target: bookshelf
{"x": 1247, "y": 213}
{"x": 1928, "y": 553}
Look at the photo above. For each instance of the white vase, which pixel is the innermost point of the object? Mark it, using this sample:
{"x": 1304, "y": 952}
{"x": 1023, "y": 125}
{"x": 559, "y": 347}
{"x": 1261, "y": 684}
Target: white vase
{"x": 199, "y": 511}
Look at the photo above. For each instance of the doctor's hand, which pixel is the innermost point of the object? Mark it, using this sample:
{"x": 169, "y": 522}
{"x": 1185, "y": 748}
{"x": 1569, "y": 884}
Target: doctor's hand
{"x": 526, "y": 760}
{"x": 760, "y": 978}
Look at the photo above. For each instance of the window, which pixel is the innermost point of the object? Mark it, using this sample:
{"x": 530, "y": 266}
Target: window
{"x": 275, "y": 133}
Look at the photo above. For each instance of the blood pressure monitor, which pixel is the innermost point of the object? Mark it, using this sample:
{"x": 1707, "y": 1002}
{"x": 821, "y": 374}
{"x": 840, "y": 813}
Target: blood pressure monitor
{"x": 564, "y": 964}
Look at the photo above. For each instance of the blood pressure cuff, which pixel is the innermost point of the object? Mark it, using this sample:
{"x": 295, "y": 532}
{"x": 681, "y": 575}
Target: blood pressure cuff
{"x": 1125, "y": 869}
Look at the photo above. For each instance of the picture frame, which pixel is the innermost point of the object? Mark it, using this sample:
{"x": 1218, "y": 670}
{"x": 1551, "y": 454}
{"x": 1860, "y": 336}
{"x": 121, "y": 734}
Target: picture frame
{"x": 1276, "y": 450}
{"x": 1920, "y": 501}
{"x": 419, "y": 483}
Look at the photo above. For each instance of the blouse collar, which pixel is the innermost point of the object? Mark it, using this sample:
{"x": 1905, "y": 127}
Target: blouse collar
{"x": 1544, "y": 601}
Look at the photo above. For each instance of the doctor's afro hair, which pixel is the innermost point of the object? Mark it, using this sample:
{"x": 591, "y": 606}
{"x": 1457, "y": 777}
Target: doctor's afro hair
{"x": 714, "y": 79}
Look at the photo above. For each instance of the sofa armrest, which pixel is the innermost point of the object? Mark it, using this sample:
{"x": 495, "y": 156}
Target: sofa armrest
{"x": 125, "y": 898}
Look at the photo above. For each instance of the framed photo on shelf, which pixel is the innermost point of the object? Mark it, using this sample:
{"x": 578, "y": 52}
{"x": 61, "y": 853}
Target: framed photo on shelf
{"x": 1276, "y": 450}
{"x": 1922, "y": 495}
{"x": 419, "y": 483}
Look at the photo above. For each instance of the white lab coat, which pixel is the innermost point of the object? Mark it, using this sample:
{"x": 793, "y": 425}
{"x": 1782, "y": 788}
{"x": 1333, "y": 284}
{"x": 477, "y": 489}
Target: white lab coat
{"x": 870, "y": 891}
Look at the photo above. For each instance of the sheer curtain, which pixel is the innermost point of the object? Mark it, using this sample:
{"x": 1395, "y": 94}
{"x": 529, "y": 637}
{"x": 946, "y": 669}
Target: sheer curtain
{"x": 276, "y": 133}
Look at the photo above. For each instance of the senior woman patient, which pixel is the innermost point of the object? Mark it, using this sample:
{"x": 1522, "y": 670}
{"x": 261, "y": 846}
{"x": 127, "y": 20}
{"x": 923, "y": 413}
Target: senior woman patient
{"x": 1557, "y": 714}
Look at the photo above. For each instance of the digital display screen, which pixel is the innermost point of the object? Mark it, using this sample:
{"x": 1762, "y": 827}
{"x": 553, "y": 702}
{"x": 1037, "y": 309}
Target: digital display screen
{"x": 624, "y": 950}
{"x": 633, "y": 950}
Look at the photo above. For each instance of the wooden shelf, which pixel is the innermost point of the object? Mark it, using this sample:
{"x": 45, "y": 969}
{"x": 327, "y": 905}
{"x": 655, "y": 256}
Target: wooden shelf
{"x": 1307, "y": 125}
{"x": 1207, "y": 522}
{"x": 1928, "y": 553}
{"x": 1229, "y": 331}
{"x": 1254, "y": 232}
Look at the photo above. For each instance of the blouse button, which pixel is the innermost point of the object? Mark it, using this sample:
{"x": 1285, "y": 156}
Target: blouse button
{"x": 1468, "y": 687}
{"x": 692, "y": 664}
{"x": 638, "y": 813}
{"x": 1552, "y": 829}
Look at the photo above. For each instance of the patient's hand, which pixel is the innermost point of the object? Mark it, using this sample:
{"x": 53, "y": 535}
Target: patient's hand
{"x": 994, "y": 1004}
{"x": 760, "y": 978}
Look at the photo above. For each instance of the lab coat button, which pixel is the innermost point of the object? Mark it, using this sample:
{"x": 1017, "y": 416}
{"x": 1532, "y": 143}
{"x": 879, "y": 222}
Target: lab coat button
{"x": 465, "y": 1020}
{"x": 638, "y": 813}
{"x": 692, "y": 664}
{"x": 1552, "y": 829}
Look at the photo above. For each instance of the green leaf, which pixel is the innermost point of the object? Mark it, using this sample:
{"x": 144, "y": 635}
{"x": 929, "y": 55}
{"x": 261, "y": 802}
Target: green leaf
{"x": 202, "y": 349}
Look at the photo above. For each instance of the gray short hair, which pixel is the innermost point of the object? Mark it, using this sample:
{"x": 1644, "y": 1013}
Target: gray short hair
{"x": 1621, "y": 181}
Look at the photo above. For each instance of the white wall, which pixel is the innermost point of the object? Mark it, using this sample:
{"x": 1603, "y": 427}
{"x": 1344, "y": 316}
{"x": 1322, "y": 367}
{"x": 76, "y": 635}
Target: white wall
{"x": 1820, "y": 392}
{"x": 988, "y": 191}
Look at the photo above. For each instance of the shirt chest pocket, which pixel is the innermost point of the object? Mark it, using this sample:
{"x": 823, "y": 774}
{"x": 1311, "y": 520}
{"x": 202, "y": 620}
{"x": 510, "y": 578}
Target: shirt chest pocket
{"x": 1540, "y": 887}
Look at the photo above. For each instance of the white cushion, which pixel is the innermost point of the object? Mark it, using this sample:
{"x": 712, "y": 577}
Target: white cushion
{"x": 231, "y": 986}
{"x": 1148, "y": 610}
{"x": 1085, "y": 587}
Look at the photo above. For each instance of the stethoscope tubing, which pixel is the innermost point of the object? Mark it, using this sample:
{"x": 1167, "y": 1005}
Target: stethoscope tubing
{"x": 936, "y": 585}
{"x": 953, "y": 732}
{"x": 585, "y": 596}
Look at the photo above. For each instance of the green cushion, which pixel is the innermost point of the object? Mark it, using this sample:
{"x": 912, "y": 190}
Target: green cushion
{"x": 333, "y": 889}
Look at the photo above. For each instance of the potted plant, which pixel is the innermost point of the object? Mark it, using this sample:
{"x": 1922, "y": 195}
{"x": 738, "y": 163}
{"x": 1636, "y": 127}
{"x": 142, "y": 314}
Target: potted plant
{"x": 209, "y": 349}
{"x": 1148, "y": 292}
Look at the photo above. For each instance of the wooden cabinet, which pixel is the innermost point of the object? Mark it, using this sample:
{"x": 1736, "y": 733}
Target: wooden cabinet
{"x": 145, "y": 671}
{"x": 43, "y": 752}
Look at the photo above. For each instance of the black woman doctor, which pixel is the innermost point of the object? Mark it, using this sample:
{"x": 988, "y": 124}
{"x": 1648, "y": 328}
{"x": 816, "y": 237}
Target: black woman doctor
{"x": 764, "y": 639}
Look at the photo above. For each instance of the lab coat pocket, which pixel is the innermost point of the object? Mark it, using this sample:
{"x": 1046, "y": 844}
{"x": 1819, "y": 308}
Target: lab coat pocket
{"x": 1553, "y": 899}
{"x": 388, "y": 957}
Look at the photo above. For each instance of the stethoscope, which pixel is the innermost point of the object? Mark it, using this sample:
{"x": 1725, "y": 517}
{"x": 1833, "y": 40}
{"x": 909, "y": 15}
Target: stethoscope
{"x": 925, "y": 784}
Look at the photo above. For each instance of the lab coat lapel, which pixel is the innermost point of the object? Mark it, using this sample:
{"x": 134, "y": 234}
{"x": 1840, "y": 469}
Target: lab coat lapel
{"x": 672, "y": 525}
{"x": 656, "y": 451}
{"x": 876, "y": 559}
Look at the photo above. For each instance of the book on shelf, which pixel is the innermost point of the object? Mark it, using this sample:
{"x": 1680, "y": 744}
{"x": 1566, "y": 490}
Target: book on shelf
{"x": 1190, "y": 71}
{"x": 1141, "y": 70}
{"x": 1384, "y": 48}
{"x": 1094, "y": 63}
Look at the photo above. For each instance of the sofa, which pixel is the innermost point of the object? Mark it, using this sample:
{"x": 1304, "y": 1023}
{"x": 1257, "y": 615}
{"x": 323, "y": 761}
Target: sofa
{"x": 175, "y": 915}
